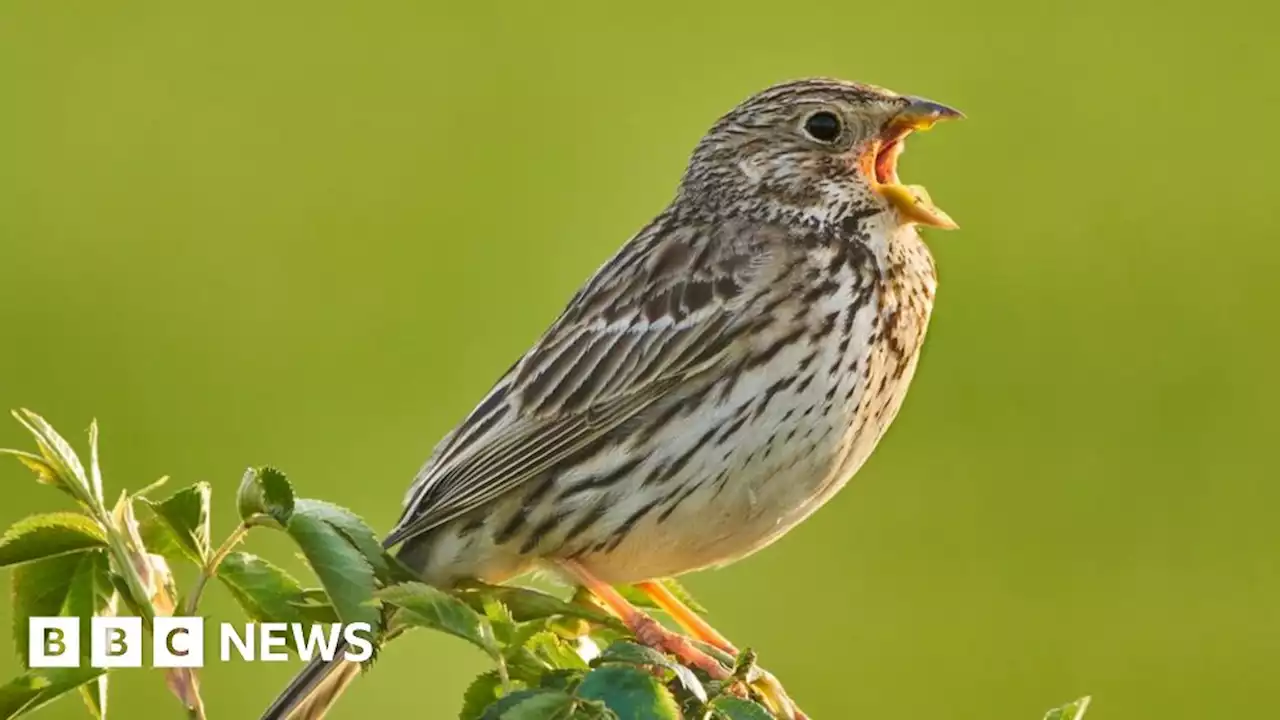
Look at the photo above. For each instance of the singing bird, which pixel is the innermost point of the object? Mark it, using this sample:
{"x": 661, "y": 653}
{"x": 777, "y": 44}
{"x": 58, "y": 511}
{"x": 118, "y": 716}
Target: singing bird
{"x": 709, "y": 387}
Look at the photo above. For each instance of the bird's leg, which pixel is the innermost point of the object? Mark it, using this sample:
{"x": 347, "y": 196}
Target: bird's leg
{"x": 767, "y": 685}
{"x": 685, "y": 617}
{"x": 647, "y": 630}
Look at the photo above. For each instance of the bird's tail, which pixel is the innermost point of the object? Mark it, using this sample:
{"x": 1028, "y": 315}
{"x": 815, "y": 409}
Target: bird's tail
{"x": 314, "y": 690}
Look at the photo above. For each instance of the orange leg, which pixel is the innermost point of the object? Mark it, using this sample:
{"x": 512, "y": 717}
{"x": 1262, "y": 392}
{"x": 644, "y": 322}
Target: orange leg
{"x": 692, "y": 623}
{"x": 700, "y": 629}
{"x": 647, "y": 630}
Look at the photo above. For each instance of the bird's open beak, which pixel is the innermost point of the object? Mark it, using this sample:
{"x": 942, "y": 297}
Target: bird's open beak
{"x": 911, "y": 201}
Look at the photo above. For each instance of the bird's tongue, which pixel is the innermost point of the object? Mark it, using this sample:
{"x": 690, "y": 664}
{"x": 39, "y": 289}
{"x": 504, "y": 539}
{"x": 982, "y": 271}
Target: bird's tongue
{"x": 915, "y": 206}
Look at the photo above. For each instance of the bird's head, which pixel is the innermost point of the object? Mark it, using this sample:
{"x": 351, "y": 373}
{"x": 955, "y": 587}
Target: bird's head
{"x": 818, "y": 149}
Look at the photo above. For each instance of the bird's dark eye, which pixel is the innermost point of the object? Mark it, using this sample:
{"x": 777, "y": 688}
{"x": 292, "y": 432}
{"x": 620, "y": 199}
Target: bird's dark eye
{"x": 823, "y": 126}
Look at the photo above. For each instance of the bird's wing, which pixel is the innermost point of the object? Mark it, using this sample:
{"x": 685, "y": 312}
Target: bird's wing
{"x": 665, "y": 308}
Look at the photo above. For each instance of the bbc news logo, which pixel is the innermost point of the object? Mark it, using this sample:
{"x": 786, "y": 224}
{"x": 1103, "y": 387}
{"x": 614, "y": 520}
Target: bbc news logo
{"x": 178, "y": 642}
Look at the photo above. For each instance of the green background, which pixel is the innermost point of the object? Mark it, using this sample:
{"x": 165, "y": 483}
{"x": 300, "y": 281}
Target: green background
{"x": 309, "y": 235}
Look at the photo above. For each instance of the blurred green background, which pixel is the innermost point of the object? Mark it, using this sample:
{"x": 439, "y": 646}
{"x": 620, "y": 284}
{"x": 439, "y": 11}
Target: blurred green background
{"x": 313, "y": 235}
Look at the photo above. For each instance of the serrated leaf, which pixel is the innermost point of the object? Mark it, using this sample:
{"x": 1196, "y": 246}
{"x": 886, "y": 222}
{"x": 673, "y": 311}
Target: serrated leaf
{"x": 500, "y": 619}
{"x": 563, "y": 680}
{"x": 347, "y": 577}
{"x": 39, "y": 589}
{"x": 550, "y": 648}
{"x": 265, "y": 491}
{"x": 89, "y": 591}
{"x": 426, "y": 606}
{"x": 267, "y": 593}
{"x": 525, "y": 667}
{"x": 36, "y": 688}
{"x": 624, "y": 651}
{"x": 526, "y": 604}
{"x": 48, "y": 535}
{"x": 352, "y": 527}
{"x": 158, "y": 539}
{"x": 186, "y": 516}
{"x": 546, "y": 705}
{"x": 727, "y": 707}
{"x": 593, "y": 710}
{"x": 683, "y": 595}
{"x": 631, "y": 693}
{"x": 76, "y": 585}
{"x": 316, "y": 608}
{"x": 58, "y": 454}
{"x": 1070, "y": 711}
{"x": 538, "y": 700}
{"x": 480, "y": 694}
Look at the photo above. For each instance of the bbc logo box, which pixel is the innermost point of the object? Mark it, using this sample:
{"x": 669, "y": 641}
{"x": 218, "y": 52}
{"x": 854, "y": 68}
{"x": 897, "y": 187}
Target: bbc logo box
{"x": 115, "y": 642}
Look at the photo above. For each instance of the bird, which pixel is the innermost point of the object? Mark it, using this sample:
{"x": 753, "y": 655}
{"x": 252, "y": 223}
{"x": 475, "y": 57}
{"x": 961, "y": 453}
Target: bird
{"x": 709, "y": 387}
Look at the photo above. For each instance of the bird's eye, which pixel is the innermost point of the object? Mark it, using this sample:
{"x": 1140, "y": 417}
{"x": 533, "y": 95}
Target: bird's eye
{"x": 823, "y": 126}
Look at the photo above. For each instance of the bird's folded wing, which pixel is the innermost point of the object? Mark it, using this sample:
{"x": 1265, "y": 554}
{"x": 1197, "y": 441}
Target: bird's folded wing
{"x": 621, "y": 345}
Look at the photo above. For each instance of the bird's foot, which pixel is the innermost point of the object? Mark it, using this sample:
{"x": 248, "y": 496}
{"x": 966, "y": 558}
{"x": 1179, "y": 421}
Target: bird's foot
{"x": 650, "y": 633}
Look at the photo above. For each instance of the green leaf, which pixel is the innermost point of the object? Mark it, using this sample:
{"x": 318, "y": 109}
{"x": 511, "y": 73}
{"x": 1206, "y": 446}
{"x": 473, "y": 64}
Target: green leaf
{"x": 631, "y": 693}
{"x": 501, "y": 620}
{"x": 624, "y": 651}
{"x": 552, "y": 649}
{"x": 315, "y": 606}
{"x": 352, "y": 527}
{"x": 480, "y": 694}
{"x": 563, "y": 680}
{"x": 521, "y": 705}
{"x": 347, "y": 578}
{"x": 634, "y": 654}
{"x": 430, "y": 607}
{"x": 89, "y": 591}
{"x": 39, "y": 589}
{"x": 265, "y": 491}
{"x": 683, "y": 595}
{"x": 158, "y": 539}
{"x": 94, "y": 694}
{"x": 42, "y": 536}
{"x": 1070, "y": 711}
{"x": 728, "y": 707}
{"x": 526, "y": 604}
{"x": 36, "y": 688}
{"x": 267, "y": 593}
{"x": 186, "y": 516}
{"x": 57, "y": 452}
{"x": 69, "y": 585}
{"x": 546, "y": 705}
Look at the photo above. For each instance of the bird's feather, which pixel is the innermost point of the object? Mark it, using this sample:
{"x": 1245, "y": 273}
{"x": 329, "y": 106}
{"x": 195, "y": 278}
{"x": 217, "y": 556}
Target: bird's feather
{"x": 661, "y": 311}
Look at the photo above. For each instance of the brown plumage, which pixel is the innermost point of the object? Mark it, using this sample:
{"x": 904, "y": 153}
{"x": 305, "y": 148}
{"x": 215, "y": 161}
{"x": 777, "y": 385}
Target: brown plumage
{"x": 713, "y": 383}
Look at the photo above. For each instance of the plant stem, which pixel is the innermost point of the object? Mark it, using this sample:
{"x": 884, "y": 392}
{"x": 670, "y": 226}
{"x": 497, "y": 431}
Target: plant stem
{"x": 495, "y": 651}
{"x": 118, "y": 545}
{"x": 211, "y": 567}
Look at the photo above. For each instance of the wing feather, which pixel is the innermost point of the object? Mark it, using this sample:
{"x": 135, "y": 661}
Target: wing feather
{"x": 637, "y": 330}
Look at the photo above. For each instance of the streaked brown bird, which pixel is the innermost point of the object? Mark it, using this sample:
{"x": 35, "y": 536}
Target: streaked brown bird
{"x": 714, "y": 383}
